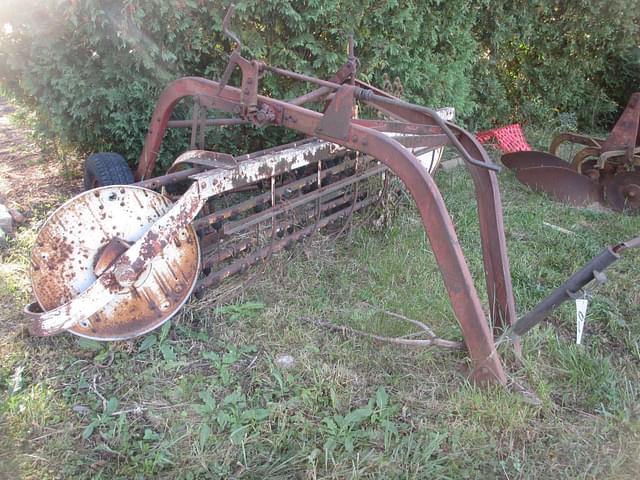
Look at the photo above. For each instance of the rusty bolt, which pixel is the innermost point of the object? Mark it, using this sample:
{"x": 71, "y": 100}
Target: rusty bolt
{"x": 261, "y": 117}
{"x": 125, "y": 275}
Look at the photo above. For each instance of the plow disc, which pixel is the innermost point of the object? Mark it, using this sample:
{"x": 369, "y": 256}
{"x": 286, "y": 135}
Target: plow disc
{"x": 605, "y": 171}
{"x": 531, "y": 159}
{"x": 549, "y": 174}
{"x": 546, "y": 173}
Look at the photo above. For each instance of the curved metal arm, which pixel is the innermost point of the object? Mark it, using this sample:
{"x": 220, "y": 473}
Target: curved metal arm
{"x": 225, "y": 27}
{"x": 370, "y": 97}
{"x": 570, "y": 137}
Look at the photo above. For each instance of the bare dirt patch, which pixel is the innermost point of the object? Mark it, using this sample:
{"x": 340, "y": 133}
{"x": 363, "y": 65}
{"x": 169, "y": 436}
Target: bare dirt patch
{"x": 34, "y": 183}
{"x": 28, "y": 177}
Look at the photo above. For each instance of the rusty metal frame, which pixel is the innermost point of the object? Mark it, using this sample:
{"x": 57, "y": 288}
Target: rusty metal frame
{"x": 337, "y": 126}
{"x": 125, "y": 263}
{"x": 364, "y": 136}
{"x": 213, "y": 173}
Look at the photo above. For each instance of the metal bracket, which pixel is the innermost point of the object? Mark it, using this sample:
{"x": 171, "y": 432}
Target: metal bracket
{"x": 337, "y": 117}
{"x": 205, "y": 158}
{"x": 599, "y": 278}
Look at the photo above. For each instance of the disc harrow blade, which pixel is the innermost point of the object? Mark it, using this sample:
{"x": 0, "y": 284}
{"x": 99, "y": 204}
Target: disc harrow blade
{"x": 532, "y": 159}
{"x": 562, "y": 184}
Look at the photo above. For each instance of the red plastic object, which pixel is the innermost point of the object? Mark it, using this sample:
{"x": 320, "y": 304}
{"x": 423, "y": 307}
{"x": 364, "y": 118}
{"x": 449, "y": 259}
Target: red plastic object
{"x": 509, "y": 138}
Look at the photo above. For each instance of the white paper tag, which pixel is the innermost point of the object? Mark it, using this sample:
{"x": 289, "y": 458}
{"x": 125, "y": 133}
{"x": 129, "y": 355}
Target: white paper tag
{"x": 581, "y": 315}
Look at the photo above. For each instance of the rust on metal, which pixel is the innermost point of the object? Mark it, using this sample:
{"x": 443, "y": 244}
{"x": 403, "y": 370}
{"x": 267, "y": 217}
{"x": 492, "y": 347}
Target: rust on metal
{"x": 301, "y": 187}
{"x": 337, "y": 116}
{"x": 622, "y": 191}
{"x": 205, "y": 159}
{"x": 625, "y": 135}
{"x": 562, "y": 184}
{"x": 85, "y": 239}
{"x": 532, "y": 159}
{"x": 605, "y": 171}
{"x": 108, "y": 254}
{"x": 575, "y": 138}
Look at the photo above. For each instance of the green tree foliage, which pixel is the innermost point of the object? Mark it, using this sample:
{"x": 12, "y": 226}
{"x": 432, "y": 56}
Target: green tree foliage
{"x": 91, "y": 70}
{"x": 544, "y": 57}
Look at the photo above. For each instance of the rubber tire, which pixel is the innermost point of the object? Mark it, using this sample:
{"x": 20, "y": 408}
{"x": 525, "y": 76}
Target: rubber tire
{"x": 106, "y": 168}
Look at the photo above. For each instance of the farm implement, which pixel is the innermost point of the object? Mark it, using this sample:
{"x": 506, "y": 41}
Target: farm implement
{"x": 119, "y": 260}
{"x": 602, "y": 171}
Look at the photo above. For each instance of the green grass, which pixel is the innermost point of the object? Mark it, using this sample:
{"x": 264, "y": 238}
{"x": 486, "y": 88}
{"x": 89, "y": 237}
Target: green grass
{"x": 205, "y": 396}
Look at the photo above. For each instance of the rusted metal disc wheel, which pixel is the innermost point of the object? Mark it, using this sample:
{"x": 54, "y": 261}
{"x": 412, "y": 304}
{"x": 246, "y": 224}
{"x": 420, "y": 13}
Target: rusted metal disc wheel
{"x": 87, "y": 234}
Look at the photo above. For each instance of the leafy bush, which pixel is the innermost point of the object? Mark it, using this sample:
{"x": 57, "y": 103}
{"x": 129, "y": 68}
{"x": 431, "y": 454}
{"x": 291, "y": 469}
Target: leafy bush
{"x": 579, "y": 57}
{"x": 93, "y": 69}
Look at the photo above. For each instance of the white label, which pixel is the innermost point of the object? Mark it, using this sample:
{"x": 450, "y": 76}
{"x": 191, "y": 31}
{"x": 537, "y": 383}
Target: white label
{"x": 581, "y": 315}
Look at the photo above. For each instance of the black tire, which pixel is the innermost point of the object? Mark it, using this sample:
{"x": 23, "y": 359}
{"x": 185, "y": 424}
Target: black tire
{"x": 105, "y": 168}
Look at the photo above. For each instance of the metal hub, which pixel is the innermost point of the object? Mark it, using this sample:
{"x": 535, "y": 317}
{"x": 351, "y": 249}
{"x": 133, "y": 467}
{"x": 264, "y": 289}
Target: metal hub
{"x": 622, "y": 191}
{"x": 87, "y": 234}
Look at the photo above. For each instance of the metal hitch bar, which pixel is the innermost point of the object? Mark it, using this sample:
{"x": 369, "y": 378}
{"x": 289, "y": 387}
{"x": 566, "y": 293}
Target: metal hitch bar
{"x": 593, "y": 270}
